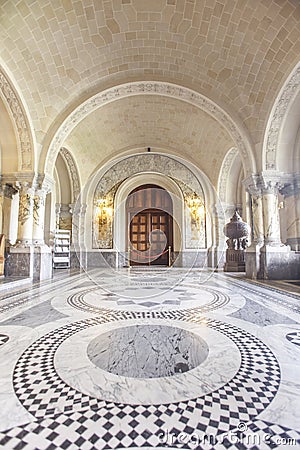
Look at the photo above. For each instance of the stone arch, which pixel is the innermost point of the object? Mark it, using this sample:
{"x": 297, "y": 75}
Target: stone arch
{"x": 25, "y": 141}
{"x": 229, "y": 183}
{"x": 73, "y": 173}
{"x": 234, "y": 127}
{"x": 279, "y": 128}
{"x": 106, "y": 180}
{"x": 135, "y": 181}
{"x": 224, "y": 174}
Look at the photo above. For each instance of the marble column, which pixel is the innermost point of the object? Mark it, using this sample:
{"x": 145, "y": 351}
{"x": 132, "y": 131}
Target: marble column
{"x": 30, "y": 256}
{"x": 1, "y": 208}
{"x": 20, "y": 258}
{"x": 252, "y": 256}
{"x": 10, "y": 213}
{"x": 25, "y": 218}
{"x": 42, "y": 253}
{"x": 271, "y": 214}
{"x": 274, "y": 255}
{"x": 292, "y": 213}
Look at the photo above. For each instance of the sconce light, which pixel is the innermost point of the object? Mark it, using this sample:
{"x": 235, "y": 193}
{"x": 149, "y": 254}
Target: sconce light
{"x": 104, "y": 211}
{"x": 196, "y": 207}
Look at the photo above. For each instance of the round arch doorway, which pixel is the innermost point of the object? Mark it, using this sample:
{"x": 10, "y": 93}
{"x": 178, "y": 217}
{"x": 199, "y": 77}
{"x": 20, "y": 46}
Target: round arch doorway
{"x": 149, "y": 209}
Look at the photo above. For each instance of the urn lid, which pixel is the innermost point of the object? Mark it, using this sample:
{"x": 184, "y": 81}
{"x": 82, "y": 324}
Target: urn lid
{"x": 236, "y": 228}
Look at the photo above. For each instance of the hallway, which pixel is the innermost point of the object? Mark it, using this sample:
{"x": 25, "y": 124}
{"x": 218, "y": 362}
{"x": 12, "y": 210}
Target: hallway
{"x": 150, "y": 358}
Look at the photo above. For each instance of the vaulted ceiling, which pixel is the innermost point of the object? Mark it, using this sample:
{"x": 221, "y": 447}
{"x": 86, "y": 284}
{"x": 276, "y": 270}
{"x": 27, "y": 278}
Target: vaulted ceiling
{"x": 238, "y": 53}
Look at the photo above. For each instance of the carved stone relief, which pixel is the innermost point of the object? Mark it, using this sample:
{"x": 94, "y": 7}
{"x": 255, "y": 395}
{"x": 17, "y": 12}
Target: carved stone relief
{"x": 25, "y": 207}
{"x": 111, "y": 180}
{"x": 25, "y": 142}
{"x": 279, "y": 112}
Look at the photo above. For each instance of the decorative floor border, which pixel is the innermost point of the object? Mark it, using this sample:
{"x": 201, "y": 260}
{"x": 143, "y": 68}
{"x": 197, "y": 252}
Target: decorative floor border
{"x": 44, "y": 394}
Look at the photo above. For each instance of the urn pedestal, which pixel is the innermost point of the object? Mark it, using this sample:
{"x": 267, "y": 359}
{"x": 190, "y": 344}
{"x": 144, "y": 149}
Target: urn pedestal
{"x": 237, "y": 233}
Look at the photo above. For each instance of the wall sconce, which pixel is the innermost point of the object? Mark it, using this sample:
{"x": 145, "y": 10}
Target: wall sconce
{"x": 104, "y": 211}
{"x": 196, "y": 207}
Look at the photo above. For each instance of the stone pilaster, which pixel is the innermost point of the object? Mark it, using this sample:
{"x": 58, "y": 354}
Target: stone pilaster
{"x": 25, "y": 217}
{"x": 42, "y": 253}
{"x": 1, "y": 208}
{"x": 270, "y": 190}
{"x": 252, "y": 254}
{"x": 273, "y": 259}
{"x": 39, "y": 217}
{"x": 78, "y": 249}
{"x": 291, "y": 194}
{"x": 216, "y": 253}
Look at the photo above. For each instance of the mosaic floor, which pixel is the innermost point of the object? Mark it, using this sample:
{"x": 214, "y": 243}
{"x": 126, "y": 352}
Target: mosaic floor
{"x": 159, "y": 358}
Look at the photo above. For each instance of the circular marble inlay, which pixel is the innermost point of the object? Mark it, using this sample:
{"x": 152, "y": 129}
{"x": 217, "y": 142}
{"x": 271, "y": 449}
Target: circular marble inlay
{"x": 147, "y": 351}
{"x": 221, "y": 364}
{"x": 206, "y": 298}
{"x": 222, "y": 390}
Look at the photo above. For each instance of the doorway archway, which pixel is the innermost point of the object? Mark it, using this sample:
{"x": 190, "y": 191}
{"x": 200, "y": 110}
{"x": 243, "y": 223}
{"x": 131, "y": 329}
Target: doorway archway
{"x": 149, "y": 212}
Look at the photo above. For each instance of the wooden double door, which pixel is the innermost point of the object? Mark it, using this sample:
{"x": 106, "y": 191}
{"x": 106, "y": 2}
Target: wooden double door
{"x": 150, "y": 229}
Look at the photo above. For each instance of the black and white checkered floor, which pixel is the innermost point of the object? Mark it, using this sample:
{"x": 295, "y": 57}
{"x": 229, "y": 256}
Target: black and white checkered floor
{"x": 244, "y": 394}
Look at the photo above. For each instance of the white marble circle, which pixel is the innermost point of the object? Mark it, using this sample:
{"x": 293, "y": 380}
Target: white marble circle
{"x": 147, "y": 351}
{"x": 137, "y": 297}
{"x": 220, "y": 366}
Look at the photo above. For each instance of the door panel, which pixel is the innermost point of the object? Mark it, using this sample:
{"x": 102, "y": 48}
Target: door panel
{"x": 150, "y": 237}
{"x": 150, "y": 227}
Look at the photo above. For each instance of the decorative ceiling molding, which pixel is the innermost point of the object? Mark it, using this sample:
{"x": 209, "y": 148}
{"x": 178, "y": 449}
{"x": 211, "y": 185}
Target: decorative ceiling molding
{"x": 20, "y": 121}
{"x": 238, "y": 134}
{"x": 280, "y": 108}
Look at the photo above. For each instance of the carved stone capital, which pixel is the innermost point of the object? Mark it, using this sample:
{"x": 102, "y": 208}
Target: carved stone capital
{"x": 292, "y": 188}
{"x": 252, "y": 185}
{"x": 9, "y": 191}
{"x": 269, "y": 182}
{"x": 43, "y": 183}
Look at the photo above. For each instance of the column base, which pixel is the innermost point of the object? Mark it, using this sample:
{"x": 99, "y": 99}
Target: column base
{"x": 19, "y": 261}
{"x": 294, "y": 243}
{"x": 29, "y": 261}
{"x": 42, "y": 266}
{"x": 252, "y": 261}
{"x": 279, "y": 263}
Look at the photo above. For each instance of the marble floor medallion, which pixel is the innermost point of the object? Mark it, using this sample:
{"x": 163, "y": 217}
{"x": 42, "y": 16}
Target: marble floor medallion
{"x": 86, "y": 368}
{"x": 147, "y": 351}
